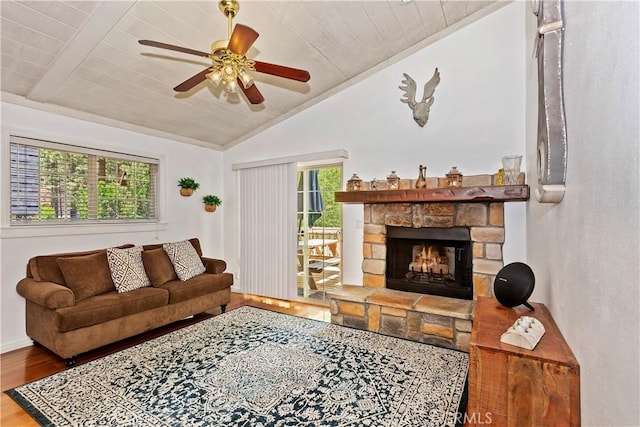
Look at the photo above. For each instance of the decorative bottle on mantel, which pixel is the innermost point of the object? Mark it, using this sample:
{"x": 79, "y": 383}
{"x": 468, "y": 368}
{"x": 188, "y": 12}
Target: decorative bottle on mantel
{"x": 421, "y": 182}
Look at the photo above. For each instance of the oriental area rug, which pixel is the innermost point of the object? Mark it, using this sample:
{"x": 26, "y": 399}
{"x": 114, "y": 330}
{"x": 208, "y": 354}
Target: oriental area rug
{"x": 252, "y": 367}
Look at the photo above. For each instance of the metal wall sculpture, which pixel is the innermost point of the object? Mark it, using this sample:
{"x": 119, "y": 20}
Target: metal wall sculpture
{"x": 552, "y": 133}
{"x": 420, "y": 109}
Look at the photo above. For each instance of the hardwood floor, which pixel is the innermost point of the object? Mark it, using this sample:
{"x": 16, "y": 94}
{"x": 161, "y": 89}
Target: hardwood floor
{"x": 32, "y": 363}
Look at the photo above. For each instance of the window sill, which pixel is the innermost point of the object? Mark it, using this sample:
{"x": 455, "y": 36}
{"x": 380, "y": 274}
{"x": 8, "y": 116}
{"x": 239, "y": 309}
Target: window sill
{"x": 18, "y": 231}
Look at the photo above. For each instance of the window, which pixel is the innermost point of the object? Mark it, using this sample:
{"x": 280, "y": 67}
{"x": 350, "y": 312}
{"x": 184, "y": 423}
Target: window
{"x": 53, "y": 183}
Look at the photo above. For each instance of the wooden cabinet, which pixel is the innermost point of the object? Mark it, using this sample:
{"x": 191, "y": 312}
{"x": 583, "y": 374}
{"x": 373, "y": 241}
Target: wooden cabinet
{"x": 512, "y": 386}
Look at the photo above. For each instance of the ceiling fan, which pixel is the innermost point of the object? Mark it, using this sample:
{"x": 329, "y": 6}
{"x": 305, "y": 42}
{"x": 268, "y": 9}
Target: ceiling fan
{"x": 230, "y": 65}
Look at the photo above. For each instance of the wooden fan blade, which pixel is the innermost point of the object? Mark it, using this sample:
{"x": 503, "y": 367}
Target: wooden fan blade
{"x": 173, "y": 47}
{"x": 282, "y": 71}
{"x": 193, "y": 81}
{"x": 252, "y": 93}
{"x": 241, "y": 39}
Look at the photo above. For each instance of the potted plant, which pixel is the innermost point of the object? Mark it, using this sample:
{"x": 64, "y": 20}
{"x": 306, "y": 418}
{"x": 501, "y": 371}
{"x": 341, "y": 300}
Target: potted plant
{"x": 187, "y": 186}
{"x": 211, "y": 202}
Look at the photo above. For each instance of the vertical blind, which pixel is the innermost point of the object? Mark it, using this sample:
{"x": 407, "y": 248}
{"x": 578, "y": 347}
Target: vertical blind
{"x": 268, "y": 230}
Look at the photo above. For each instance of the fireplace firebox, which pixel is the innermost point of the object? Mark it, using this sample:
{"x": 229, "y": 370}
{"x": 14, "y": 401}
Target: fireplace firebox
{"x": 436, "y": 261}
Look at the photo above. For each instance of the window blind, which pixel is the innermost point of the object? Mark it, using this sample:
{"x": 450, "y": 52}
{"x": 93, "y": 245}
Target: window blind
{"x": 268, "y": 231}
{"x": 55, "y": 183}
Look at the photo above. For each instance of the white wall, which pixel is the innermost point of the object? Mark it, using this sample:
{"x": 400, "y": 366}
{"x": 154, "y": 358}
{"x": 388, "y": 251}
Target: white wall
{"x": 185, "y": 217}
{"x": 584, "y": 251}
{"x": 477, "y": 117}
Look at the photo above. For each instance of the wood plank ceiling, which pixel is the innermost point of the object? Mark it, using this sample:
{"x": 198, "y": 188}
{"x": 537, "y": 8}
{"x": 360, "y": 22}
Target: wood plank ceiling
{"x": 81, "y": 58}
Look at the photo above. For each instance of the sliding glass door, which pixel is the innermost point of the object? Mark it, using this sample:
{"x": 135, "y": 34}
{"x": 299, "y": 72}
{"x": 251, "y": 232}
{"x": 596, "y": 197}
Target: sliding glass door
{"x": 319, "y": 223}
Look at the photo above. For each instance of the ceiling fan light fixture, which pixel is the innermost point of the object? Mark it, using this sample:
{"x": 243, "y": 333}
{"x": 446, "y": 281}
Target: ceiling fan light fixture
{"x": 229, "y": 73}
{"x": 246, "y": 79}
{"x": 215, "y": 76}
{"x": 230, "y": 87}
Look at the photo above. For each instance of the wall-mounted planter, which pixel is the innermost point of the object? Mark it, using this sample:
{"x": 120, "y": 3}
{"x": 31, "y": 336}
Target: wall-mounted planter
{"x": 211, "y": 202}
{"x": 187, "y": 186}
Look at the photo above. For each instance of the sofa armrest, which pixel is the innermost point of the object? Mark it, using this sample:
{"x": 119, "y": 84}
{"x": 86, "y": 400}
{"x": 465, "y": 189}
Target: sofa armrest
{"x": 46, "y": 294}
{"x": 214, "y": 266}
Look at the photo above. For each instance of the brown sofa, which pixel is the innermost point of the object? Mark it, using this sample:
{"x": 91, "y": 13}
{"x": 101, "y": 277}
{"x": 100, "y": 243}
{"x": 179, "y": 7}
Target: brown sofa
{"x": 84, "y": 312}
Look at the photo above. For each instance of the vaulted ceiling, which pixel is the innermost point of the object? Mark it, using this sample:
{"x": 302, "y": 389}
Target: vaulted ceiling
{"x": 82, "y": 58}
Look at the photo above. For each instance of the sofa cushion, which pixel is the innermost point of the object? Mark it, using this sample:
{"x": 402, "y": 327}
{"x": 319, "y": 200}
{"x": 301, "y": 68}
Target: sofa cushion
{"x": 202, "y": 284}
{"x": 127, "y": 270}
{"x": 158, "y": 266}
{"x": 109, "y": 306}
{"x": 185, "y": 259}
{"x": 45, "y": 268}
{"x": 86, "y": 275}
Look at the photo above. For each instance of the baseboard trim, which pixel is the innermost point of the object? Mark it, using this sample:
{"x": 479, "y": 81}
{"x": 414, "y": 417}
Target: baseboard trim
{"x": 7, "y": 347}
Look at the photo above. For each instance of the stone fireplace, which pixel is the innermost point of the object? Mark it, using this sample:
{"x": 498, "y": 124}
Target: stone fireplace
{"x": 484, "y": 222}
{"x": 451, "y": 236}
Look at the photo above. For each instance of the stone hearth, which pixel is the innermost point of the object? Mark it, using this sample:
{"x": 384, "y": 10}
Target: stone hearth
{"x": 436, "y": 320}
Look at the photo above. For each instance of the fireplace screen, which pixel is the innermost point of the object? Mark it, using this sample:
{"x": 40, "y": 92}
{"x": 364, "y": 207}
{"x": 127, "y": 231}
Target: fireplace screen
{"x": 433, "y": 261}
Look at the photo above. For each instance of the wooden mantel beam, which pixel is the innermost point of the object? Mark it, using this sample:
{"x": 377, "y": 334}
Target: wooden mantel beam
{"x": 503, "y": 193}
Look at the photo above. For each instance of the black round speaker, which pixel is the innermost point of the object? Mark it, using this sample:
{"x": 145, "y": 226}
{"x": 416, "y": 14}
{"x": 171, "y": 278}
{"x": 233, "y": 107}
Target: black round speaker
{"x": 514, "y": 284}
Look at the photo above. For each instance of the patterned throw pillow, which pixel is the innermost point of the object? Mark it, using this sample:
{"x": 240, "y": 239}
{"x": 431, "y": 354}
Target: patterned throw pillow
{"x": 127, "y": 269}
{"x": 185, "y": 259}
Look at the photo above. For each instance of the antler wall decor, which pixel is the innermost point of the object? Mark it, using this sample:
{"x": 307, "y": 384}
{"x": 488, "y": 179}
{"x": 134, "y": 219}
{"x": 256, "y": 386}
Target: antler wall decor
{"x": 420, "y": 109}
